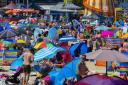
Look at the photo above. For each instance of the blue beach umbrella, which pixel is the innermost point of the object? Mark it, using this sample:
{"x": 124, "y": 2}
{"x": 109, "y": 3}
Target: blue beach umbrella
{"x": 1, "y": 28}
{"x": 78, "y": 49}
{"x": 67, "y": 71}
{"x": 67, "y": 38}
{"x": 7, "y": 25}
{"x": 48, "y": 52}
{"x": 52, "y": 33}
{"x": 16, "y": 63}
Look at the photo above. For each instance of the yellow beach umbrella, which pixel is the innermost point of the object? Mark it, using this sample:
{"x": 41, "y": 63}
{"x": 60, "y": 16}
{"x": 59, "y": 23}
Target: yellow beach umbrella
{"x": 21, "y": 41}
{"x": 37, "y": 45}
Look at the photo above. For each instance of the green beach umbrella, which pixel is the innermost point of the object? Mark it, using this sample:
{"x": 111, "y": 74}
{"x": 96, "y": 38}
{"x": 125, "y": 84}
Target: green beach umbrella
{"x": 6, "y": 43}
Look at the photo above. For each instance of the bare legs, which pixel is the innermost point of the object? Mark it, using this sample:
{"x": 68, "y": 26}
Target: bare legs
{"x": 25, "y": 79}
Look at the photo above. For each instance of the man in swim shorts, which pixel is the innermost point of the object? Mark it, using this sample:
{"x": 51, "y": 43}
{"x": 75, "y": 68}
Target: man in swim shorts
{"x": 28, "y": 59}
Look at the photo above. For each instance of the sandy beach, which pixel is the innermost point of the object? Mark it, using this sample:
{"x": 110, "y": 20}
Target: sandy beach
{"x": 90, "y": 65}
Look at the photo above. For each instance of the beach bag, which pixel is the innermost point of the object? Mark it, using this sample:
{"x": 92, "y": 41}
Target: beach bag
{"x": 12, "y": 80}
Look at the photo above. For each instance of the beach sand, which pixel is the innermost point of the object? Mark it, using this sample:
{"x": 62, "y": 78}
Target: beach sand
{"x": 90, "y": 65}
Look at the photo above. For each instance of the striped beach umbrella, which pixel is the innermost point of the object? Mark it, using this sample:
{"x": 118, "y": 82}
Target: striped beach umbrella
{"x": 48, "y": 52}
{"x": 67, "y": 38}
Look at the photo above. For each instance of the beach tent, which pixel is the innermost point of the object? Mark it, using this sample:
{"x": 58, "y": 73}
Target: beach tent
{"x": 67, "y": 71}
{"x": 78, "y": 49}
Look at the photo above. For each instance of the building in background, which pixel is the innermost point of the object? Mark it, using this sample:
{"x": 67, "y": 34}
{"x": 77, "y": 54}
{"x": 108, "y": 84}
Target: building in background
{"x": 105, "y": 7}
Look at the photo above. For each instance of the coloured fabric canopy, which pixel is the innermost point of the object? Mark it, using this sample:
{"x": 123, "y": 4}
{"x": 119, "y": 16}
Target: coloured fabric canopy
{"x": 48, "y": 52}
{"x": 52, "y": 33}
{"x": 78, "y": 49}
{"x": 101, "y": 80}
{"x": 67, "y": 38}
{"x": 16, "y": 63}
{"x": 67, "y": 71}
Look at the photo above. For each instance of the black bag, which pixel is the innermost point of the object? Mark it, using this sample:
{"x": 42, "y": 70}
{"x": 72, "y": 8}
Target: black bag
{"x": 12, "y": 80}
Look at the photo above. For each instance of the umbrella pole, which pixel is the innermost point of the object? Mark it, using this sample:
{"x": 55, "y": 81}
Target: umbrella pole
{"x": 106, "y": 67}
{"x": 3, "y": 55}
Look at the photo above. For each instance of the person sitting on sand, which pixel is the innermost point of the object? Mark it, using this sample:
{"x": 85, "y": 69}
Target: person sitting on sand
{"x": 82, "y": 69}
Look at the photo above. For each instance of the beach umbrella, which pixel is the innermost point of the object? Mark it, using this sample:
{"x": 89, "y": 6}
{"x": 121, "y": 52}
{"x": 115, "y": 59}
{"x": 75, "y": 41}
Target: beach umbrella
{"x": 107, "y": 33}
{"x": 43, "y": 45}
{"x": 7, "y": 25}
{"x": 21, "y": 41}
{"x": 67, "y": 38}
{"x": 37, "y": 31}
{"x": 78, "y": 49}
{"x": 48, "y": 52}
{"x": 1, "y": 28}
{"x": 52, "y": 33}
{"x": 98, "y": 79}
{"x": 6, "y": 43}
{"x": 68, "y": 71}
{"x": 102, "y": 27}
{"x": 7, "y": 33}
{"x": 28, "y": 10}
{"x": 107, "y": 55}
{"x": 16, "y": 63}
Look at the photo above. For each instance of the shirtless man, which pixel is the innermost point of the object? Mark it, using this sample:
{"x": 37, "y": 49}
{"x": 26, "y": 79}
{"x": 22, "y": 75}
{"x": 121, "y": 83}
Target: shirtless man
{"x": 28, "y": 59}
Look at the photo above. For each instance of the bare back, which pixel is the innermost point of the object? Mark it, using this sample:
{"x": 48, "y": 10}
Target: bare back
{"x": 28, "y": 58}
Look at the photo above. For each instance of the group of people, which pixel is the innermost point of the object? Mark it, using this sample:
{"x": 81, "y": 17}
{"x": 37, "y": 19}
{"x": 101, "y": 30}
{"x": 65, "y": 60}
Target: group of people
{"x": 75, "y": 28}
